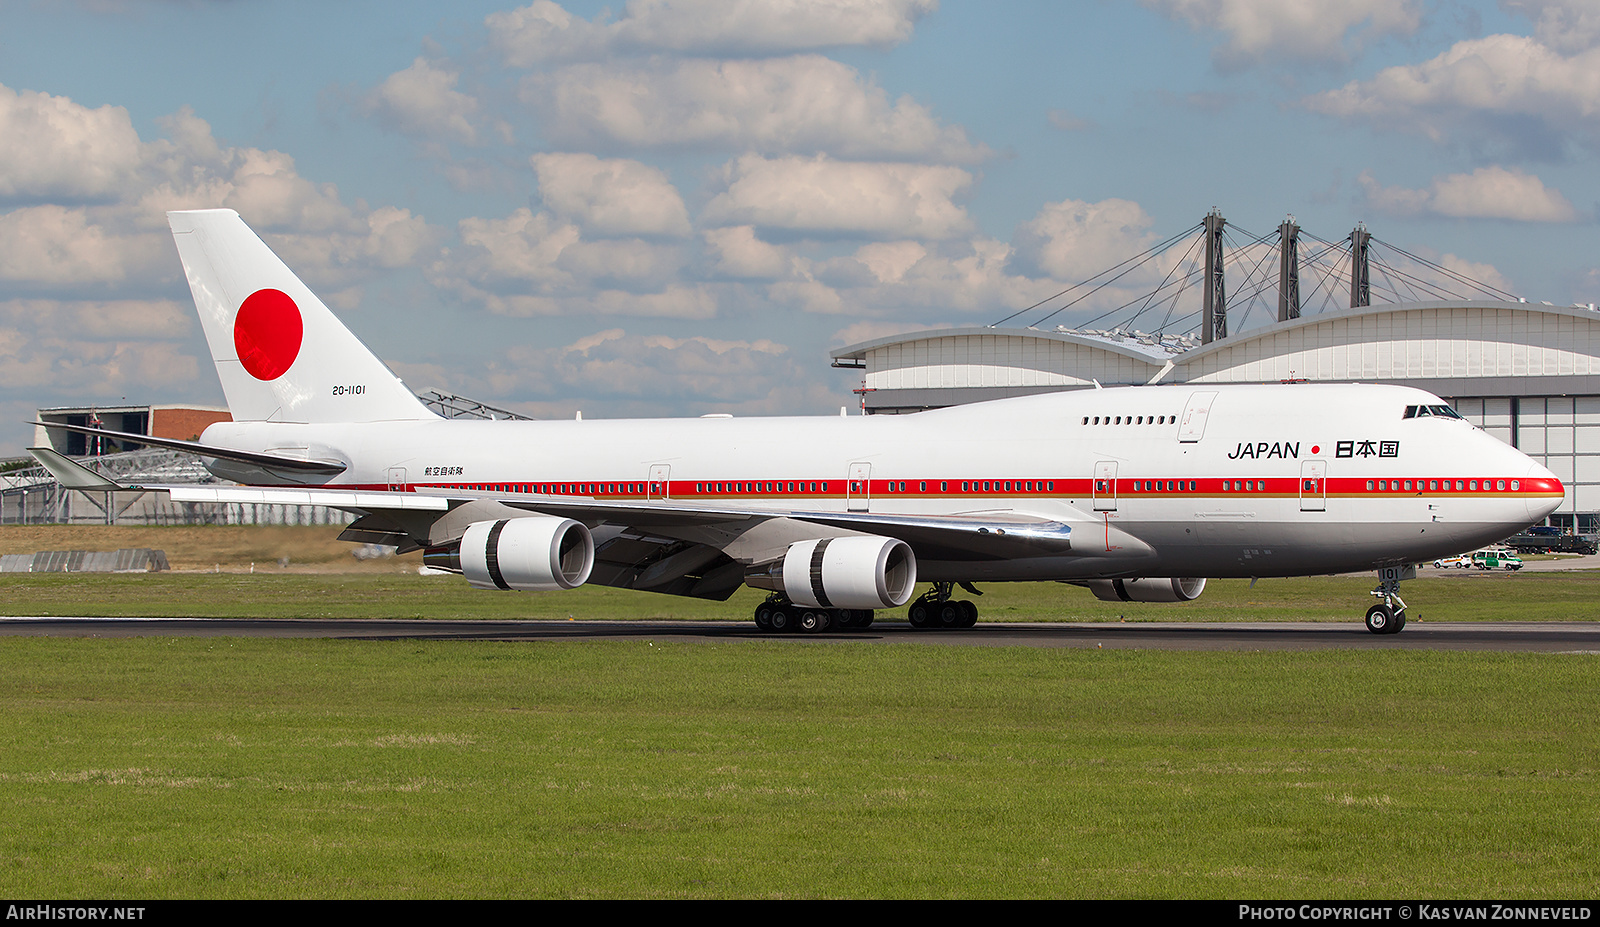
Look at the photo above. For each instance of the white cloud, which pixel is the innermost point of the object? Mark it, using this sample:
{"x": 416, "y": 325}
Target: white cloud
{"x": 1073, "y": 239}
{"x": 612, "y": 196}
{"x": 94, "y": 348}
{"x": 870, "y": 331}
{"x": 125, "y": 319}
{"x": 616, "y": 373}
{"x": 811, "y": 296}
{"x": 1486, "y": 193}
{"x": 101, "y": 230}
{"x": 820, "y": 196}
{"x": 736, "y": 252}
{"x": 1564, "y": 25}
{"x": 1298, "y": 31}
{"x": 1509, "y": 85}
{"x": 544, "y": 31}
{"x": 385, "y": 238}
{"x": 911, "y": 279}
{"x": 54, "y": 247}
{"x": 524, "y": 247}
{"x": 535, "y": 264}
{"x": 889, "y": 261}
{"x": 421, "y": 100}
{"x": 804, "y": 103}
{"x": 1472, "y": 270}
{"x": 650, "y": 367}
{"x": 50, "y": 147}
{"x": 1067, "y": 122}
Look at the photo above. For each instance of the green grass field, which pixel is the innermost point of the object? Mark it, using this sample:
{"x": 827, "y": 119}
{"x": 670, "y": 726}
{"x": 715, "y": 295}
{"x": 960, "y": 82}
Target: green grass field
{"x": 184, "y": 768}
{"x": 160, "y": 768}
{"x": 1473, "y": 597}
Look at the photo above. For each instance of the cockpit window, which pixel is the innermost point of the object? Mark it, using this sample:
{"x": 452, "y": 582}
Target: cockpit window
{"x": 1441, "y": 411}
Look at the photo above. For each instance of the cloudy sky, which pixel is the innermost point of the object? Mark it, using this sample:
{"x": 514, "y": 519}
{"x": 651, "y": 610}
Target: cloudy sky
{"x": 679, "y": 206}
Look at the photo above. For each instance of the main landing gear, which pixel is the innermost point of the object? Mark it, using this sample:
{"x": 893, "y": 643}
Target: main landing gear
{"x": 935, "y": 609}
{"x": 1388, "y": 616}
{"x": 777, "y": 615}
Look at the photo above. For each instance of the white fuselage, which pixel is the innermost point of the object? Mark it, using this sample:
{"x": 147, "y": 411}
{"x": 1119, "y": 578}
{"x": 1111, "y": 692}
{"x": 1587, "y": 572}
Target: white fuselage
{"x": 1188, "y": 480}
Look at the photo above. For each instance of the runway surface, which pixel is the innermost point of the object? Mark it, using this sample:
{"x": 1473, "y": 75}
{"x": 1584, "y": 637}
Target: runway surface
{"x": 1554, "y": 637}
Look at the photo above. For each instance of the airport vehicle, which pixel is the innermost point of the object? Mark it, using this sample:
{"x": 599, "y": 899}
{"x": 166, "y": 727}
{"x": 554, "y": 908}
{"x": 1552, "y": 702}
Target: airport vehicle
{"x": 1552, "y": 541}
{"x": 1458, "y": 562}
{"x": 1497, "y": 558}
{"x": 1137, "y": 493}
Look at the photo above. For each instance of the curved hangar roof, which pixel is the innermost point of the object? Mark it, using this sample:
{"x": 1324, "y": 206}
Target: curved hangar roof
{"x": 1452, "y": 348}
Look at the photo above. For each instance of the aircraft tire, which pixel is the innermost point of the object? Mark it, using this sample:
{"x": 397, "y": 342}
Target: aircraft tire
{"x": 812, "y": 621}
{"x": 1399, "y": 622}
{"x": 971, "y": 613}
{"x": 952, "y": 615}
{"x": 919, "y": 614}
{"x": 763, "y": 616}
{"x": 1380, "y": 619}
{"x": 862, "y": 620}
{"x": 781, "y": 620}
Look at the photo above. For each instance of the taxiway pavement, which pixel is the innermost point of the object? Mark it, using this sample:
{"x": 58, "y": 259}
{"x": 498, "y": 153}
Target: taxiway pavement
{"x": 1554, "y": 637}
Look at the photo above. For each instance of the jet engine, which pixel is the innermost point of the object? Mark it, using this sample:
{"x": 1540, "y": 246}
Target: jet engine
{"x": 537, "y": 553}
{"x": 1147, "y": 590}
{"x": 847, "y": 572}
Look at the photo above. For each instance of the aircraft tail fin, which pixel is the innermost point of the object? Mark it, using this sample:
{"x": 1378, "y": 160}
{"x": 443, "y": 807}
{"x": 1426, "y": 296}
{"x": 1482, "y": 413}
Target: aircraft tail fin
{"x": 280, "y": 352}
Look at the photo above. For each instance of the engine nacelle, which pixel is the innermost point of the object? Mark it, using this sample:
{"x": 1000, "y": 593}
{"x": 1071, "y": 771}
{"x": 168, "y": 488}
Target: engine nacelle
{"x": 848, "y": 572}
{"x": 1147, "y": 590}
{"x": 539, "y": 553}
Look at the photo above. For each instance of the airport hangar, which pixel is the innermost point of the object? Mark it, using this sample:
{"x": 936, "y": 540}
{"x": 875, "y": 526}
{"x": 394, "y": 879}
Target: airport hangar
{"x": 1527, "y": 373}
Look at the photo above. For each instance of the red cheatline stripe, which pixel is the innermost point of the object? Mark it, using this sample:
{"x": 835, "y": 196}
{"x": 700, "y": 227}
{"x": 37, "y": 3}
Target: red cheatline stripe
{"x": 1124, "y": 488}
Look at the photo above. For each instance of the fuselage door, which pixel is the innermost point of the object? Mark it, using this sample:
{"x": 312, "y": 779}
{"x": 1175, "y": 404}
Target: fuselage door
{"x": 660, "y": 480}
{"x": 1105, "y": 486}
{"x": 859, "y": 488}
{"x": 397, "y": 479}
{"x": 1192, "y": 427}
{"x": 1314, "y": 486}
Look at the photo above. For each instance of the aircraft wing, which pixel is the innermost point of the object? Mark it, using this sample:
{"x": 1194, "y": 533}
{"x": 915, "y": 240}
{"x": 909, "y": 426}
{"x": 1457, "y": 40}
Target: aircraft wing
{"x": 974, "y": 536}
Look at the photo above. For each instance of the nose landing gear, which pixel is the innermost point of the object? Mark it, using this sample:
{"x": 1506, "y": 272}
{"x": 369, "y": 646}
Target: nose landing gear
{"x": 1388, "y": 616}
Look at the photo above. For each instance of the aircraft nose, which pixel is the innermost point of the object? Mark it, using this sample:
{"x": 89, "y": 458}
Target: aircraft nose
{"x": 1548, "y": 492}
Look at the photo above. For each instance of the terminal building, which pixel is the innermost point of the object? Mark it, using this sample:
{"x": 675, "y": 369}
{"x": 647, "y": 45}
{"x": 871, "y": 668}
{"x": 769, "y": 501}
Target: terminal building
{"x": 1527, "y": 373}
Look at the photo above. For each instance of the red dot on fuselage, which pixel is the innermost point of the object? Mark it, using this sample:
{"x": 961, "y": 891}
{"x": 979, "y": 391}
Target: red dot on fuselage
{"x": 1315, "y": 449}
{"x": 267, "y": 333}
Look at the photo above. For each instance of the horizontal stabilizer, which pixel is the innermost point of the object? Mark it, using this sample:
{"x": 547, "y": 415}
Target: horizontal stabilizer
{"x": 272, "y": 461}
{"x": 70, "y": 473}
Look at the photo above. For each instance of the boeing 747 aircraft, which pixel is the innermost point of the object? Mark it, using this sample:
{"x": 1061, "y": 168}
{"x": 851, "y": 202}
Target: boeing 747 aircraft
{"x": 1137, "y": 493}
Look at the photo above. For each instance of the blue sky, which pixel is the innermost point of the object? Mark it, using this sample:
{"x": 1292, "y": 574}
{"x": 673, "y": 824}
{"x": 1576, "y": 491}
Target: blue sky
{"x": 680, "y": 207}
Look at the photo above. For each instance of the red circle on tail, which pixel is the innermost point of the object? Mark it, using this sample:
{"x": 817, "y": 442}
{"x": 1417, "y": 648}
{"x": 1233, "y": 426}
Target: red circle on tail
{"x": 267, "y": 333}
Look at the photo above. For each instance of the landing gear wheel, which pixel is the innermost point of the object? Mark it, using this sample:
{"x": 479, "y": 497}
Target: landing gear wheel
{"x": 863, "y": 619}
{"x": 1380, "y": 620}
{"x": 952, "y": 615}
{"x": 780, "y": 620}
{"x": 764, "y": 617}
{"x": 813, "y": 621}
{"x": 971, "y": 613}
{"x": 1399, "y": 622}
{"x": 920, "y": 614}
